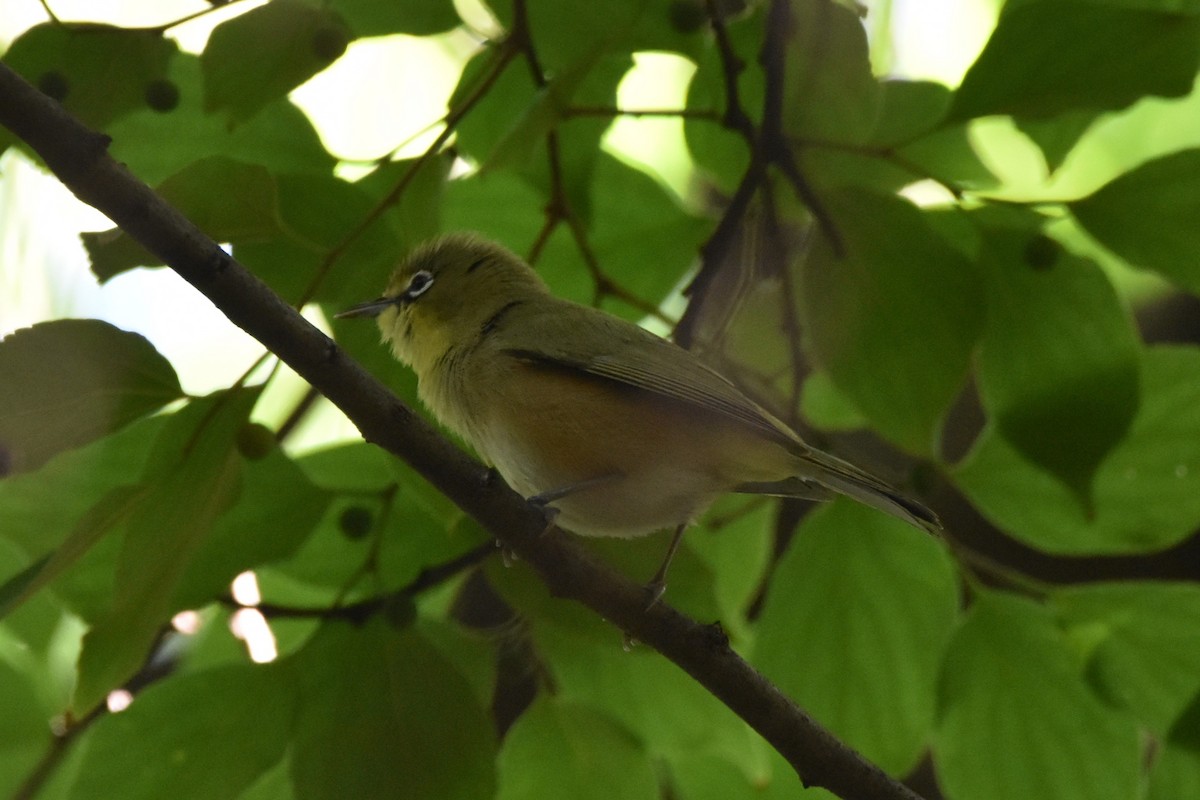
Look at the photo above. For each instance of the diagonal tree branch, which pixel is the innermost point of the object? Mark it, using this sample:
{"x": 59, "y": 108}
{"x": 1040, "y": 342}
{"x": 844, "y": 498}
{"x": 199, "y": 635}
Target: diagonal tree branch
{"x": 78, "y": 157}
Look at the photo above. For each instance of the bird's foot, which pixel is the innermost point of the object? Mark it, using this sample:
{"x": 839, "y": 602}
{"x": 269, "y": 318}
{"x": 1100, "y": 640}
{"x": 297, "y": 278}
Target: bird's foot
{"x": 549, "y": 512}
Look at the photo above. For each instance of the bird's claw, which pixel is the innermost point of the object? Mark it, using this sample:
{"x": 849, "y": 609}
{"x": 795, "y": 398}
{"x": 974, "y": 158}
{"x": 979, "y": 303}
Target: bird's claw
{"x": 549, "y": 512}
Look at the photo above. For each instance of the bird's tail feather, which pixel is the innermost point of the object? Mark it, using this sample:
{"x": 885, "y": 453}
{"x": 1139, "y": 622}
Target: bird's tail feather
{"x": 825, "y": 473}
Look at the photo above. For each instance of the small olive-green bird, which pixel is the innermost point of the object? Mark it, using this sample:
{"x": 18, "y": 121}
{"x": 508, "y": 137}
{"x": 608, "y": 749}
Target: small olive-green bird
{"x": 616, "y": 431}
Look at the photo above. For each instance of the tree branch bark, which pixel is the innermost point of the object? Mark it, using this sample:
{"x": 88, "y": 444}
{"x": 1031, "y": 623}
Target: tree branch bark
{"x": 78, "y": 157}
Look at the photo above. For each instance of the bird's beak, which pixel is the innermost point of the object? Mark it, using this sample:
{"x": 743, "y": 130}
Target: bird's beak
{"x": 370, "y": 309}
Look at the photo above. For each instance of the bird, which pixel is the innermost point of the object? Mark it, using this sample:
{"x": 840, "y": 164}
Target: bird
{"x": 610, "y": 429}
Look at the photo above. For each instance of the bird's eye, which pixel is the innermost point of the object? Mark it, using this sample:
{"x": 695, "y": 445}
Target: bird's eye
{"x": 418, "y": 284}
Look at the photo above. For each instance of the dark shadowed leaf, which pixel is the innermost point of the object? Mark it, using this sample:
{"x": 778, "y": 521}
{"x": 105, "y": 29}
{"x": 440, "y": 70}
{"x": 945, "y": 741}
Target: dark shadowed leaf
{"x": 1045, "y": 59}
{"x": 193, "y": 476}
{"x": 155, "y": 145}
{"x": 67, "y": 382}
{"x": 1058, "y": 366}
{"x": 561, "y": 749}
{"x": 228, "y": 200}
{"x": 381, "y": 709}
{"x": 1147, "y": 216}
{"x": 203, "y": 736}
{"x": 1147, "y": 491}
{"x": 103, "y": 71}
{"x": 260, "y": 56}
{"x": 829, "y": 93}
{"x": 895, "y": 321}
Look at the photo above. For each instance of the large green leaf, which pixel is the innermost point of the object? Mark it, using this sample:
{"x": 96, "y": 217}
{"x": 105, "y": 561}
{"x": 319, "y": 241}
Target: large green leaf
{"x": 193, "y": 476}
{"x": 561, "y": 749}
{"x": 43, "y": 509}
{"x": 109, "y": 512}
{"x": 1017, "y": 719}
{"x": 203, "y": 736}
{"x": 646, "y": 695}
{"x": 228, "y": 200}
{"x": 1045, "y": 59}
{"x": 261, "y": 55}
{"x": 645, "y": 242}
{"x": 893, "y": 321}
{"x": 1147, "y": 215}
{"x": 24, "y": 732}
{"x": 68, "y": 382}
{"x": 381, "y": 710}
{"x": 1147, "y": 491}
{"x": 829, "y": 93}
{"x": 1141, "y": 644}
{"x": 277, "y": 511}
{"x": 97, "y": 72}
{"x": 1176, "y": 773}
{"x": 1058, "y": 365}
{"x": 156, "y": 145}
{"x": 858, "y": 614}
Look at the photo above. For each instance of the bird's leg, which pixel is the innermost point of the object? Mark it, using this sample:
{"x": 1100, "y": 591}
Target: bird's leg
{"x": 658, "y": 584}
{"x": 542, "y": 500}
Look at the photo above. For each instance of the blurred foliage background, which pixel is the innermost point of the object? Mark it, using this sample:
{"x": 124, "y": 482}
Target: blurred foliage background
{"x": 980, "y": 286}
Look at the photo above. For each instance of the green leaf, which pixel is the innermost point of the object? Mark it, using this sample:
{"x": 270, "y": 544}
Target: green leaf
{"x": 68, "y": 382}
{"x": 381, "y": 709}
{"x": 1011, "y": 687}
{"x": 858, "y": 614}
{"x": 203, "y": 736}
{"x": 909, "y": 110}
{"x": 111, "y": 510}
{"x": 564, "y": 29}
{"x": 1057, "y": 137}
{"x": 894, "y": 322}
{"x": 643, "y": 239}
{"x": 155, "y": 145}
{"x": 829, "y": 91}
{"x": 1058, "y": 364}
{"x": 25, "y": 733}
{"x": 102, "y": 71}
{"x": 561, "y": 749}
{"x": 416, "y": 214}
{"x": 193, "y": 476}
{"x": 385, "y": 17}
{"x": 1176, "y": 773}
{"x": 277, "y": 511}
{"x": 1142, "y": 649}
{"x": 41, "y": 509}
{"x": 349, "y": 467}
{"x": 1145, "y": 216}
{"x": 645, "y": 695}
{"x": 228, "y": 200}
{"x": 1147, "y": 492}
{"x": 261, "y": 55}
{"x": 1045, "y": 59}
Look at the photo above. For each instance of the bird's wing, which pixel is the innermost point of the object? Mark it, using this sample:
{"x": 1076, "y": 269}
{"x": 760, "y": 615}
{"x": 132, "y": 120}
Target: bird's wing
{"x": 602, "y": 346}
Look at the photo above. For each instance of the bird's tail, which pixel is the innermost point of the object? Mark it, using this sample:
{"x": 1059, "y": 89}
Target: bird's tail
{"x": 824, "y": 472}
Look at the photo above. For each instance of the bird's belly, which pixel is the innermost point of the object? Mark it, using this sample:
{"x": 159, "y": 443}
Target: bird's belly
{"x": 616, "y": 504}
{"x": 627, "y": 462}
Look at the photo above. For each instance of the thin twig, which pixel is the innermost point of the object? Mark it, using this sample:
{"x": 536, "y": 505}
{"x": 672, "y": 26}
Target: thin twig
{"x": 360, "y": 611}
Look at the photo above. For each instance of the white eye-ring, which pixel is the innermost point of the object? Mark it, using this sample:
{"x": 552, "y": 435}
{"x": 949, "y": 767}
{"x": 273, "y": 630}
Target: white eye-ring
{"x": 418, "y": 284}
